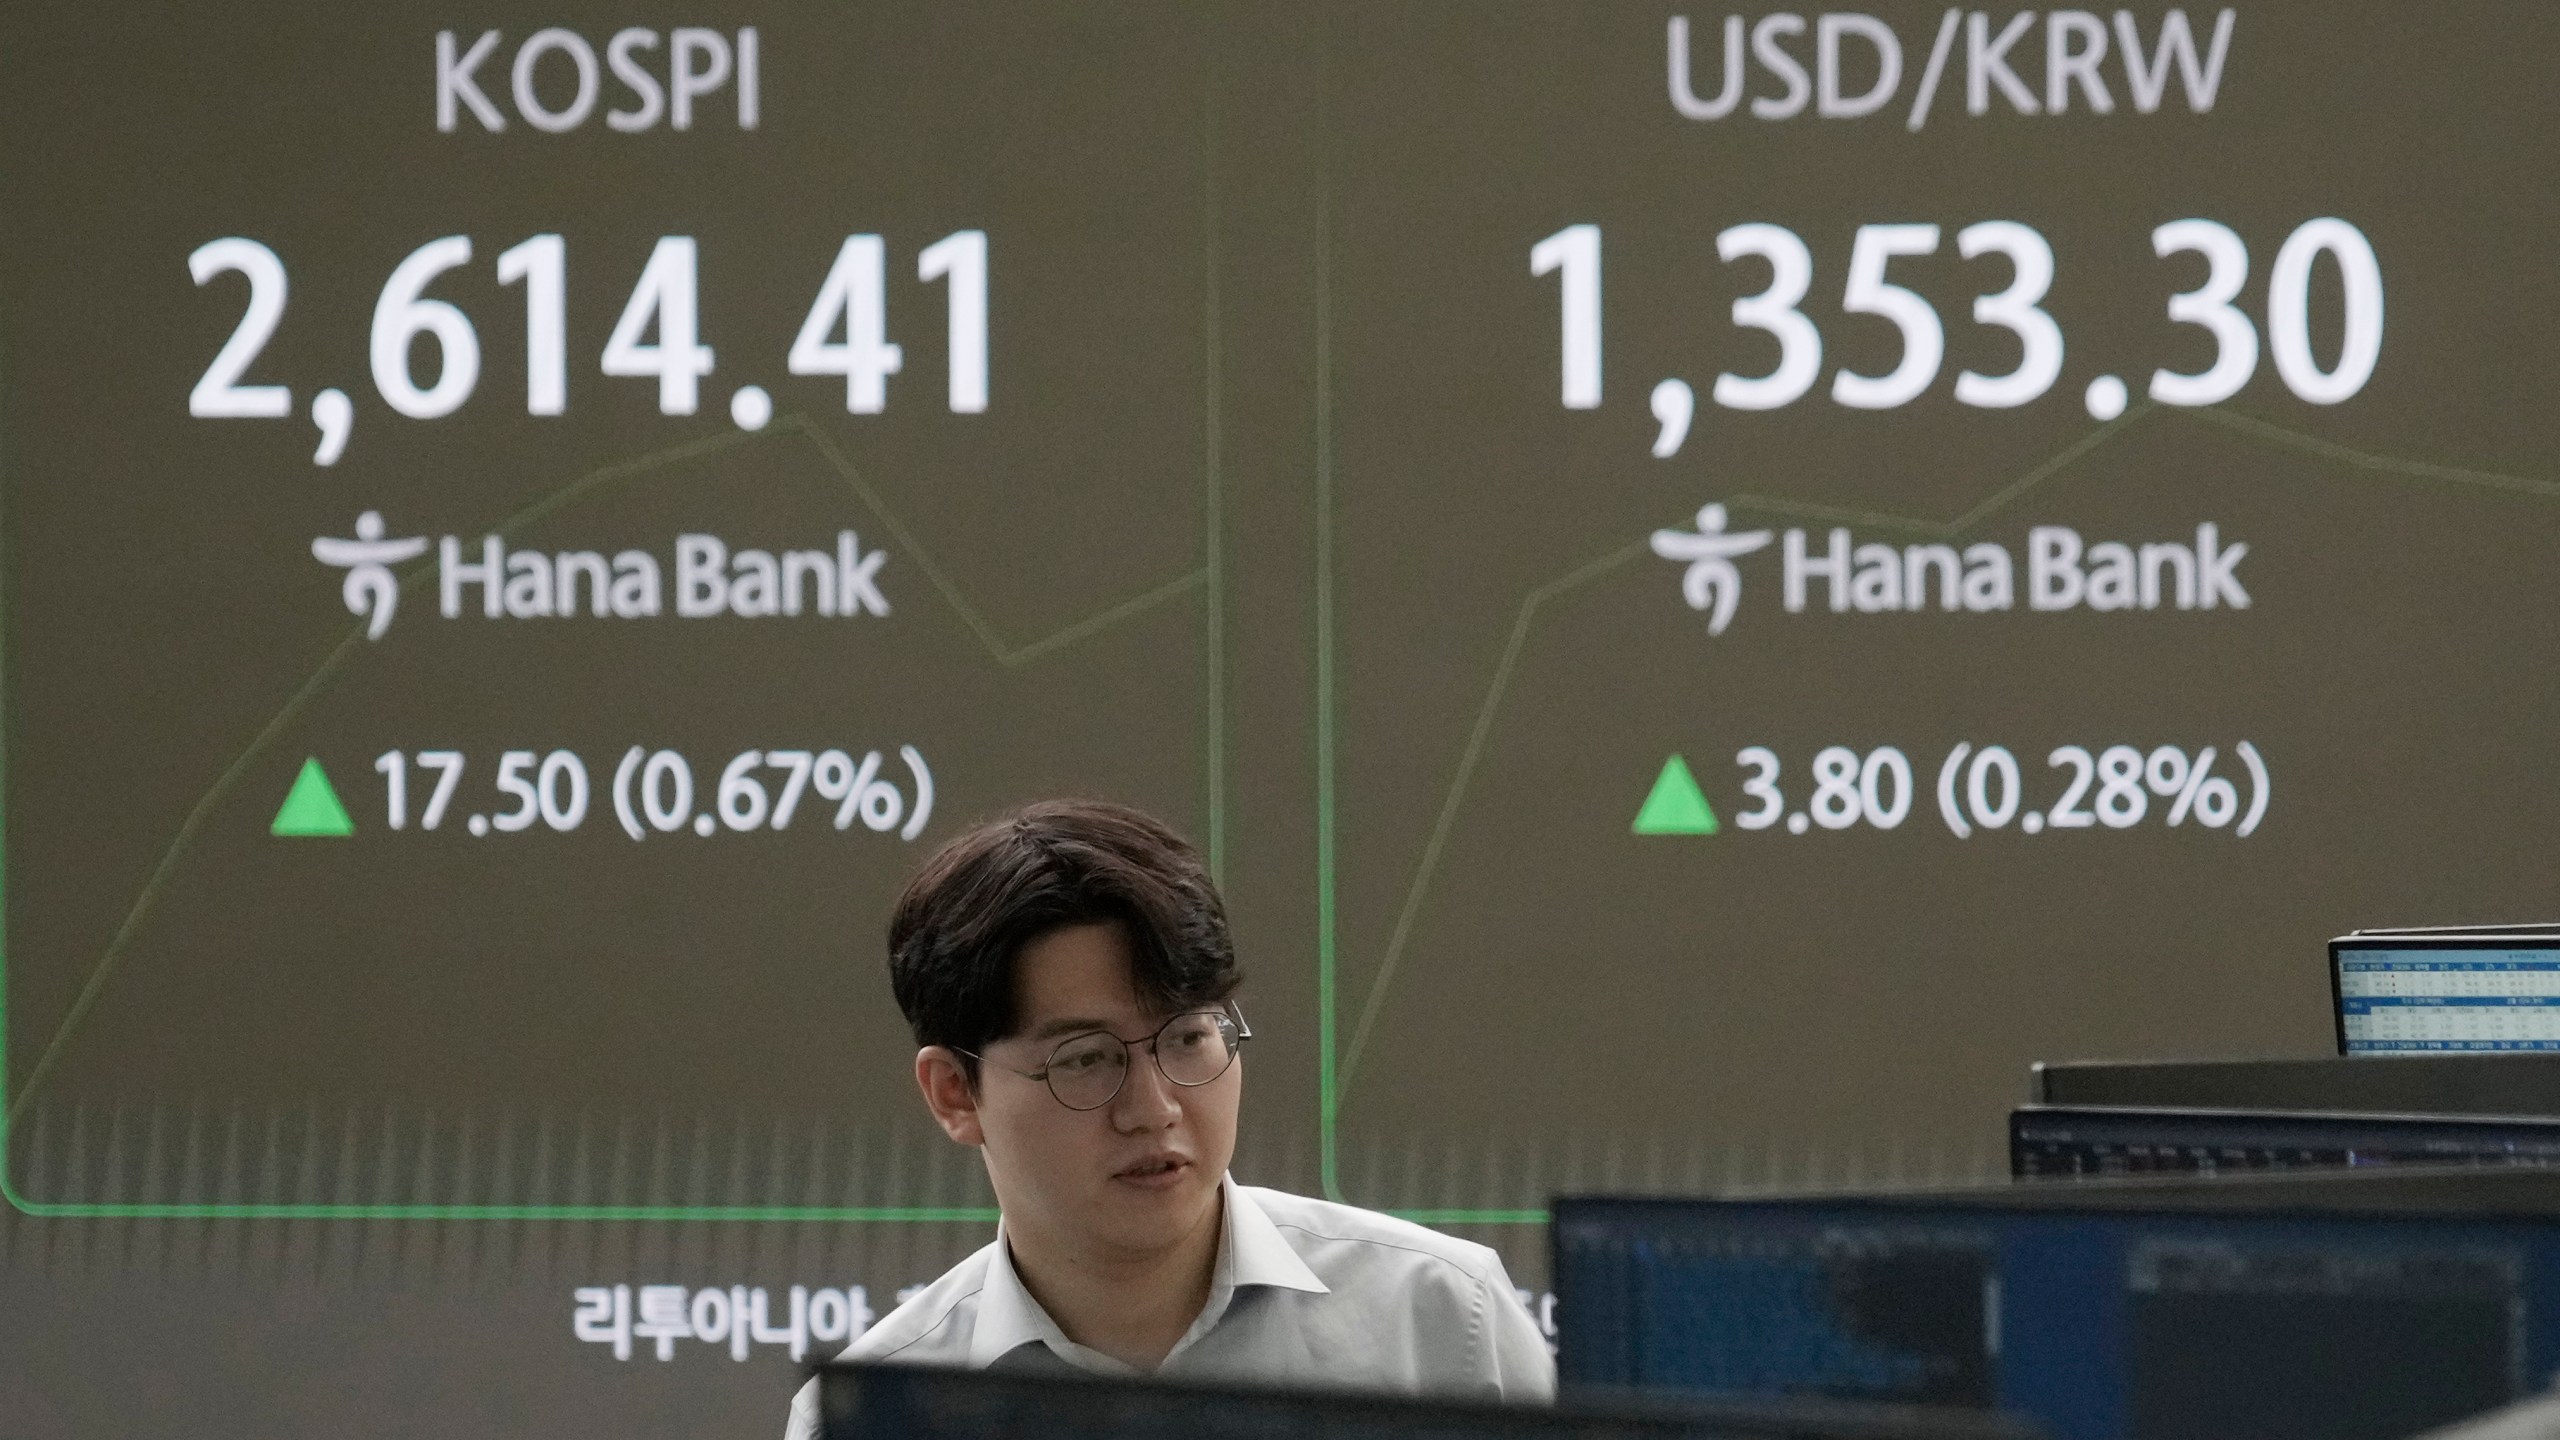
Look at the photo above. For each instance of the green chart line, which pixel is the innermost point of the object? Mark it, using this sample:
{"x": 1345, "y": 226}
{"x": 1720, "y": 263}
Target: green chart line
{"x": 1328, "y": 1113}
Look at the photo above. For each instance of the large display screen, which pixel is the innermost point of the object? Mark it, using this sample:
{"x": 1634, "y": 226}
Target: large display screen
{"x": 1711, "y": 583}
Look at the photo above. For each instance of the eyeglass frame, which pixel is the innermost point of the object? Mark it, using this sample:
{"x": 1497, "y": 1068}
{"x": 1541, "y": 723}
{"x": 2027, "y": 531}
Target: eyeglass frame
{"x": 1227, "y": 1011}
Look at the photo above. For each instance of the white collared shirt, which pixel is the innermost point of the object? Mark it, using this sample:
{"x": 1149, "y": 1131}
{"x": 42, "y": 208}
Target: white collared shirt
{"x": 1305, "y": 1292}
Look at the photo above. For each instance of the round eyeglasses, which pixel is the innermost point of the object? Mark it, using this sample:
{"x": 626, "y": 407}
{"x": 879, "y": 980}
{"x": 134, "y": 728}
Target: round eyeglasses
{"x": 1086, "y": 1071}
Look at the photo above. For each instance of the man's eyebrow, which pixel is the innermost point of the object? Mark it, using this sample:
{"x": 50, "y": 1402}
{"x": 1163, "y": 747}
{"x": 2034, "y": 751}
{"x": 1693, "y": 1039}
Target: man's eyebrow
{"x": 1070, "y": 1026}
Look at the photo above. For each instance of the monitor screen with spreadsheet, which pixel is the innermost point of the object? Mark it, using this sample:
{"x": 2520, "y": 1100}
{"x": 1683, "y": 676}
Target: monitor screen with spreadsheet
{"x": 2410, "y": 995}
{"x": 2094, "y": 1321}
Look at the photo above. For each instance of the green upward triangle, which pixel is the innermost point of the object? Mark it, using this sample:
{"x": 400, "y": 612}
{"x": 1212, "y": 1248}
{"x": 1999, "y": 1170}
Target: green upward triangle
{"x": 311, "y": 807}
{"x": 1676, "y": 806}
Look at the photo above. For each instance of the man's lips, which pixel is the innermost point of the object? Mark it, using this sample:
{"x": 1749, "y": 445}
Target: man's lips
{"x": 1155, "y": 1171}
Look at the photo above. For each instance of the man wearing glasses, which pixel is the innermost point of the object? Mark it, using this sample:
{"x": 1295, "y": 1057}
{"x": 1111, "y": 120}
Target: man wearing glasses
{"x": 1068, "y": 973}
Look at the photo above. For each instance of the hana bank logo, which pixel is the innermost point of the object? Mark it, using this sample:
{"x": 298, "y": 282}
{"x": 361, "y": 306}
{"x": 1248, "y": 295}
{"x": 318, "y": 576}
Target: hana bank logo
{"x": 1712, "y": 582}
{"x": 2060, "y": 569}
{"x": 705, "y": 576}
{"x": 371, "y": 592}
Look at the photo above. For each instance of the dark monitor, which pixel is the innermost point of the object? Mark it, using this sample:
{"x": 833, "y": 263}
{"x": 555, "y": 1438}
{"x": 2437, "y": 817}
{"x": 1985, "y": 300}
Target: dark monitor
{"x": 2421, "y": 994}
{"x": 914, "y": 1402}
{"x": 2062, "y": 1140}
{"x": 2097, "y": 1324}
{"x": 2426, "y": 1084}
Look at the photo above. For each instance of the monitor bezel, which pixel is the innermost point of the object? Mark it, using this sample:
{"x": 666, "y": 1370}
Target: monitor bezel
{"x": 2022, "y": 1115}
{"x": 1729, "y": 1417}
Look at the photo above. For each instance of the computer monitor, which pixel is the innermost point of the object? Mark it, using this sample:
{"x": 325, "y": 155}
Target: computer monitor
{"x": 2072, "y": 1140}
{"x": 2513, "y": 1083}
{"x": 2413, "y": 994}
{"x": 2113, "y": 1323}
{"x": 858, "y": 1401}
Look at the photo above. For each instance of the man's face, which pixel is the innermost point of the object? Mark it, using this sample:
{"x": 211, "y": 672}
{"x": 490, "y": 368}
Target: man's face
{"x": 1135, "y": 1176}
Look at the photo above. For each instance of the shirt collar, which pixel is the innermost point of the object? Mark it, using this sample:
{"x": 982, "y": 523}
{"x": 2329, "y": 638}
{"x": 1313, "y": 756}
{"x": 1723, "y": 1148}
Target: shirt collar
{"x": 1008, "y": 1318}
{"x": 1251, "y": 1251}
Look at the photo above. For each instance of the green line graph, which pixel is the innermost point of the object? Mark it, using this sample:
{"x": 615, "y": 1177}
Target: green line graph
{"x": 1328, "y": 1150}
{"x": 1213, "y": 519}
{"x": 774, "y": 1214}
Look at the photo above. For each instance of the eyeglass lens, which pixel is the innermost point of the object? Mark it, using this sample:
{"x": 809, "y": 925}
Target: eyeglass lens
{"x": 1086, "y": 1071}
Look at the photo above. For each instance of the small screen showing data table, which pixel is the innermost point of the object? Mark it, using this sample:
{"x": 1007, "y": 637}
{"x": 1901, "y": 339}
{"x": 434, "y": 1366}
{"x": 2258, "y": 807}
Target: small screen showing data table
{"x": 2421, "y": 1001}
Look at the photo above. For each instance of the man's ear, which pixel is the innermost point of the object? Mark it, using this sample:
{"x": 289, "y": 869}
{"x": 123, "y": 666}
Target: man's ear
{"x": 948, "y": 1094}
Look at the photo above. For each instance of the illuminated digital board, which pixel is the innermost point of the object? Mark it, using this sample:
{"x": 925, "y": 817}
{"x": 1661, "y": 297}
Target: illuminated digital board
{"x": 1714, "y": 581}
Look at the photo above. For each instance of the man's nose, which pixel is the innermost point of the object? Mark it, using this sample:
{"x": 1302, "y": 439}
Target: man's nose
{"x": 1147, "y": 1101}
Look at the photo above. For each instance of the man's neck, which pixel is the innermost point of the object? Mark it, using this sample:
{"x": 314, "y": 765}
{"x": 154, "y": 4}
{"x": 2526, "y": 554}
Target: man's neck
{"x": 1133, "y": 1307}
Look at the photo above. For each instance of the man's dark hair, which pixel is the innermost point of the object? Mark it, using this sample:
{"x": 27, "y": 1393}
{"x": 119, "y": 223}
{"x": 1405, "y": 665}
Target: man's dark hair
{"x": 981, "y": 898}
